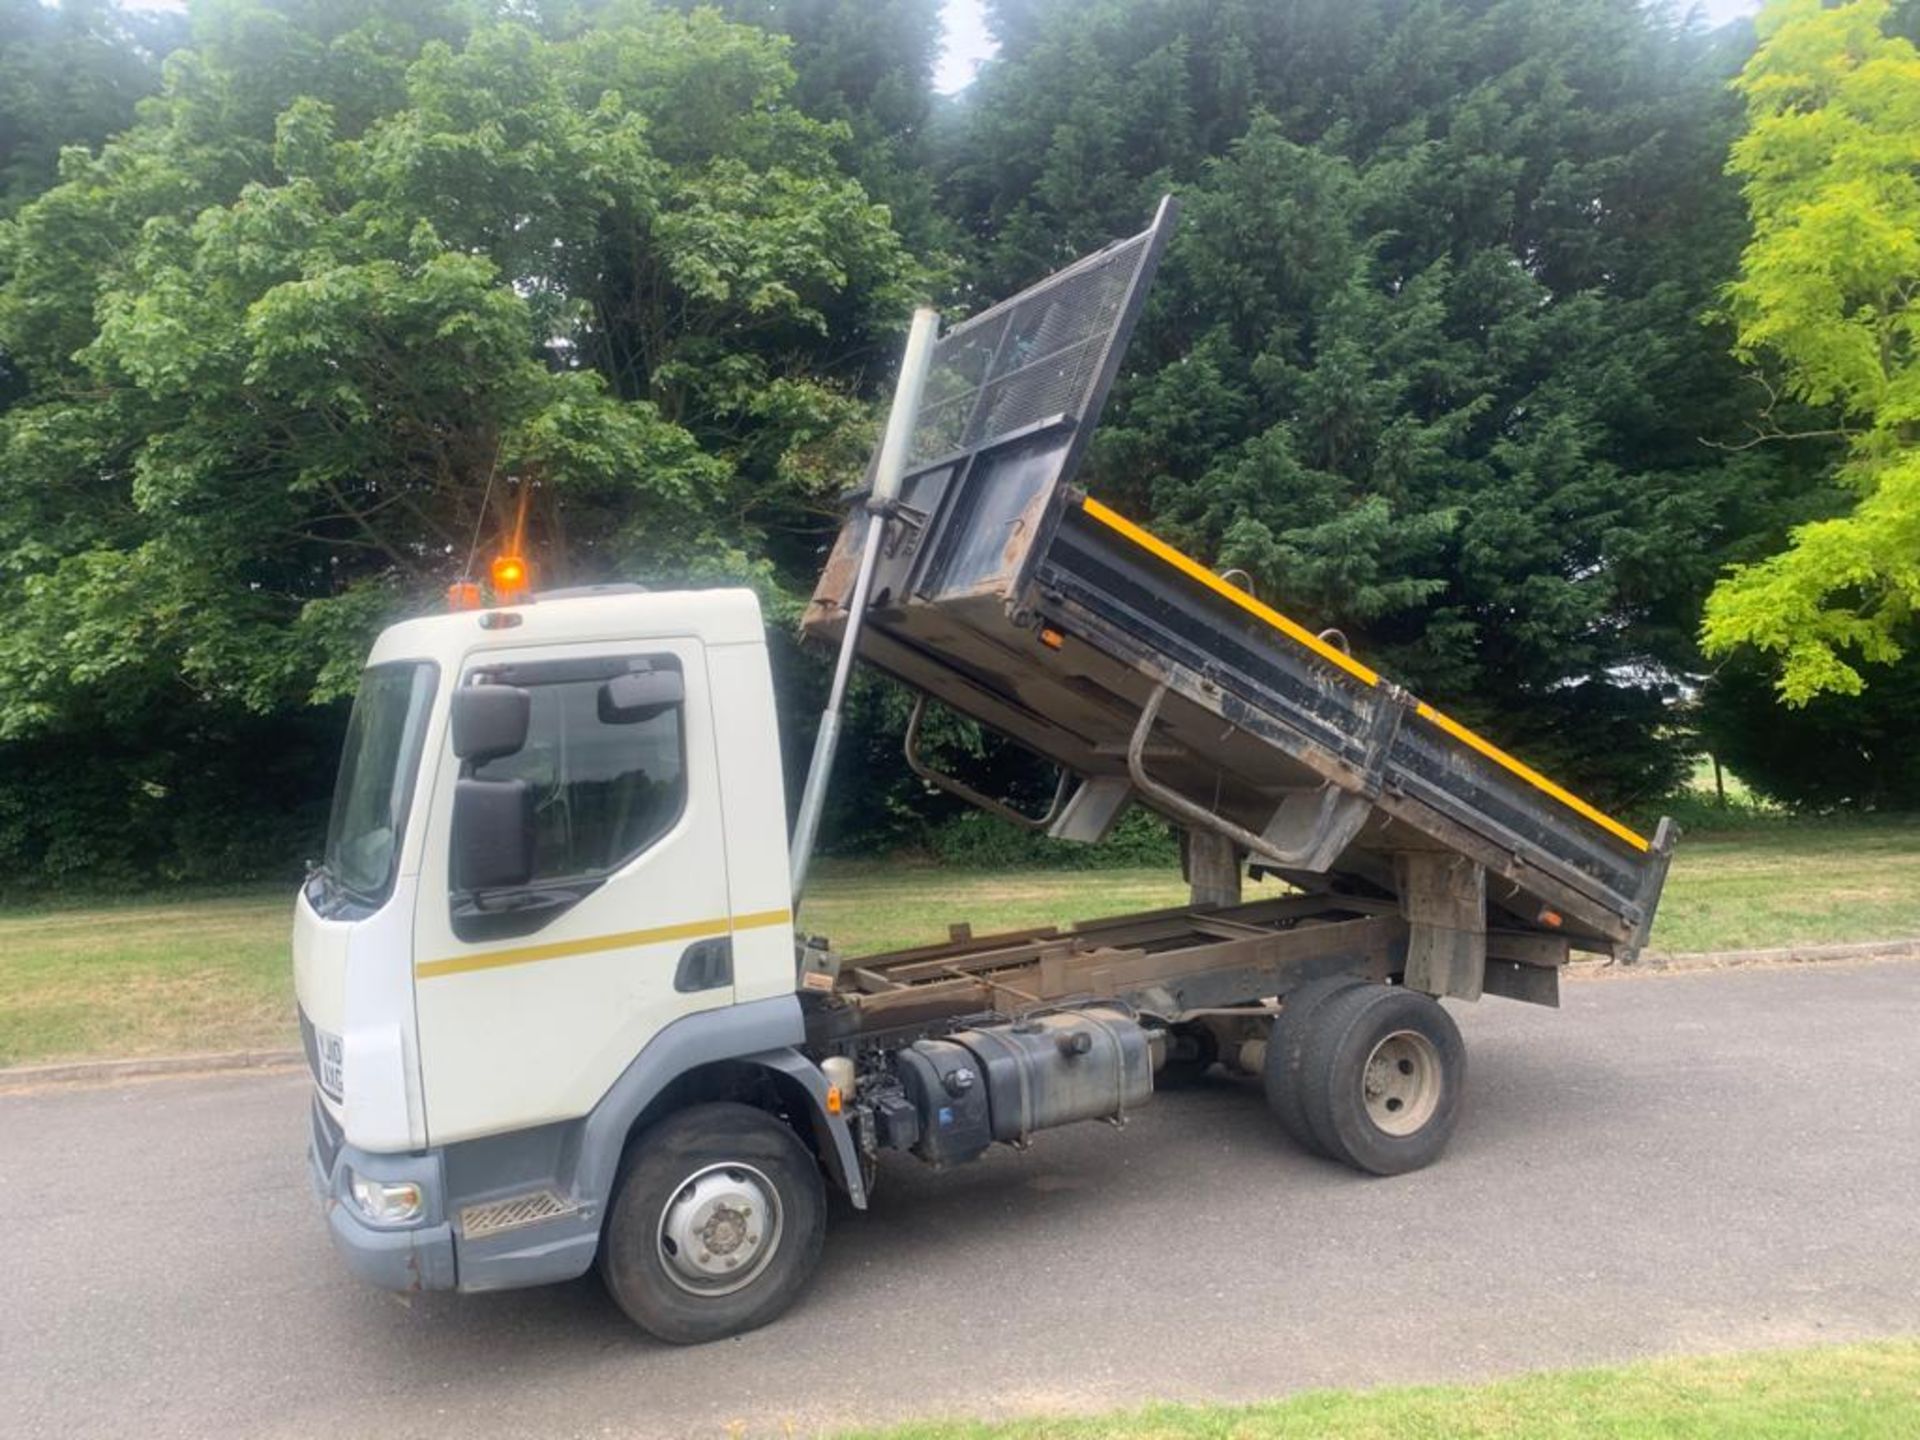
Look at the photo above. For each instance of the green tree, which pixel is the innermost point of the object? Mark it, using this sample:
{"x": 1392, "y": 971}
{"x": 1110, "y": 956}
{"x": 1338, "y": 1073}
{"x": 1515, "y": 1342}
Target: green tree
{"x": 1826, "y": 303}
{"x": 868, "y": 67}
{"x": 1425, "y": 358}
{"x": 1835, "y": 751}
{"x": 364, "y": 283}
{"x": 70, "y": 74}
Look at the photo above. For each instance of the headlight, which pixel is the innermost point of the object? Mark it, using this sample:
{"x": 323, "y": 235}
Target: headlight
{"x": 387, "y": 1202}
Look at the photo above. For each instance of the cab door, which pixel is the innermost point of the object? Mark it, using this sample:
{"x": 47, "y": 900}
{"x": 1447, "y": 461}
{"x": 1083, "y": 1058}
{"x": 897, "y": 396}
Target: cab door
{"x": 533, "y": 999}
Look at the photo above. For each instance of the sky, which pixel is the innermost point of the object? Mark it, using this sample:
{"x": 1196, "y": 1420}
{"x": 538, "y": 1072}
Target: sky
{"x": 968, "y": 42}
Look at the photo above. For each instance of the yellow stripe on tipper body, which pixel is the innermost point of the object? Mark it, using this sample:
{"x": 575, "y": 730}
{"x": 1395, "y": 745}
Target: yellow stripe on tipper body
{"x": 1194, "y": 570}
{"x": 596, "y": 944}
{"x": 1531, "y": 776}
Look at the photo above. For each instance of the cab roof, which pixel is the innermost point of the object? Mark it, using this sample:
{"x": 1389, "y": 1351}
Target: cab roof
{"x": 714, "y": 617}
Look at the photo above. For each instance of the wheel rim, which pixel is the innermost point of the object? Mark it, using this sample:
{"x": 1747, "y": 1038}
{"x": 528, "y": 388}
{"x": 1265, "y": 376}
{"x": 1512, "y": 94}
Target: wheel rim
{"x": 1402, "y": 1082}
{"x": 720, "y": 1229}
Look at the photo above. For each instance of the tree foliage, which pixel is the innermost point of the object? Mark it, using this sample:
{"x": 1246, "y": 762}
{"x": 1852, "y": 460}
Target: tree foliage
{"x": 1828, "y": 300}
{"x": 867, "y": 67}
{"x": 360, "y": 282}
{"x": 70, "y": 74}
{"x": 1425, "y": 359}
{"x": 1835, "y": 751}
{"x": 366, "y": 283}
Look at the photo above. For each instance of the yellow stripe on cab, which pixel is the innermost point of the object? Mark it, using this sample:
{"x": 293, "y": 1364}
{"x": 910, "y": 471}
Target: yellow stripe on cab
{"x": 595, "y": 944}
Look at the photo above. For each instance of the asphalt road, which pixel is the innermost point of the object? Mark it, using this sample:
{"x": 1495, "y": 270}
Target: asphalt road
{"x": 1670, "y": 1163}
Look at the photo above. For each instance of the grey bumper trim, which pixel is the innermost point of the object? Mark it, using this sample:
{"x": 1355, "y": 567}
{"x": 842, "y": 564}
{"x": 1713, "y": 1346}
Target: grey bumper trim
{"x": 415, "y": 1257}
{"x": 393, "y": 1259}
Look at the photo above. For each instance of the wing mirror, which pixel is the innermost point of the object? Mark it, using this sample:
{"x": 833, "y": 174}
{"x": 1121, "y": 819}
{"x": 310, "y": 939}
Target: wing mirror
{"x": 492, "y": 819}
{"x": 492, "y": 834}
{"x": 640, "y": 695}
{"x": 489, "y": 721}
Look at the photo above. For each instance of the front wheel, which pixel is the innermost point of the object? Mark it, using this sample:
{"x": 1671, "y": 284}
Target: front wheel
{"x": 716, "y": 1225}
{"x": 1382, "y": 1078}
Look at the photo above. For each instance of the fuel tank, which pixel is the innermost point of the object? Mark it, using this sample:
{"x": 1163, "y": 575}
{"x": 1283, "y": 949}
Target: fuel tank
{"x": 1091, "y": 1064}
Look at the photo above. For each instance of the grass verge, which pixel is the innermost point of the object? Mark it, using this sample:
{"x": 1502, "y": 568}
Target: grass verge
{"x": 154, "y": 975}
{"x": 1791, "y": 884}
{"x": 162, "y": 978}
{"x": 1862, "y": 1392}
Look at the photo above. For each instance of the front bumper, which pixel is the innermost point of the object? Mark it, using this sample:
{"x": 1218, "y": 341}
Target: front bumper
{"x": 418, "y": 1256}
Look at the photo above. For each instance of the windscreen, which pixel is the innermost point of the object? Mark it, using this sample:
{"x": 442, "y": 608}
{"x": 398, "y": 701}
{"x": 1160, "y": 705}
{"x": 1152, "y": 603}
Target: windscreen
{"x": 375, "y": 784}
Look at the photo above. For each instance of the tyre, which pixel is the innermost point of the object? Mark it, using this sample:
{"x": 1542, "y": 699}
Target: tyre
{"x": 1286, "y": 1053}
{"x": 1382, "y": 1077}
{"x": 716, "y": 1224}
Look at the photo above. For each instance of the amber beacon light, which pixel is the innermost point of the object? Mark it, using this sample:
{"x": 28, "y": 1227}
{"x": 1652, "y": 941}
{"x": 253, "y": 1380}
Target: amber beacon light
{"x": 509, "y": 577}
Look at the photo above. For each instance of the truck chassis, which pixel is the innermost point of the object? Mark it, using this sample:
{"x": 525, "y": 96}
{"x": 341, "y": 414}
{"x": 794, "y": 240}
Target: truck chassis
{"x": 1173, "y": 966}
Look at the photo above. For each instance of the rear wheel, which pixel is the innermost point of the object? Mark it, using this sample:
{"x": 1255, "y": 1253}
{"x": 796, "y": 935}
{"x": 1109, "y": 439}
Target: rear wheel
{"x": 1286, "y": 1053}
{"x": 716, "y": 1225}
{"x": 1382, "y": 1077}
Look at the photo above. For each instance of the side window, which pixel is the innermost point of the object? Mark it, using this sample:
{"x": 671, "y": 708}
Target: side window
{"x": 606, "y": 783}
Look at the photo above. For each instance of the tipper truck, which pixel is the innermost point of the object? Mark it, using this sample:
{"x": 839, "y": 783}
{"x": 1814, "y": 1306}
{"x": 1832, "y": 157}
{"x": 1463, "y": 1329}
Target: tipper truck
{"x": 548, "y": 974}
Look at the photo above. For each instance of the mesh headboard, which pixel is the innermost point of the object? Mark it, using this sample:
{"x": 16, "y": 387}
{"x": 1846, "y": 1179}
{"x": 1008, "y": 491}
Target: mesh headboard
{"x": 1010, "y": 401}
{"x": 1049, "y": 351}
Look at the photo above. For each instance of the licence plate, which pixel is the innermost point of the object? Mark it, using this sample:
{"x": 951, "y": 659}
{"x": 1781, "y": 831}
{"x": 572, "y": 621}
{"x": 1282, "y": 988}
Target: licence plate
{"x": 326, "y": 1048}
